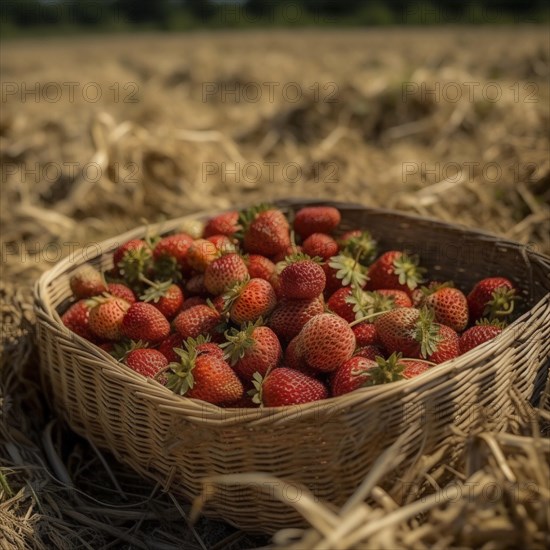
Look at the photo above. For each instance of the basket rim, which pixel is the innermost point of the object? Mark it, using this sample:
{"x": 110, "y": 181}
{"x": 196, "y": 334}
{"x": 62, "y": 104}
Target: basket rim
{"x": 204, "y": 412}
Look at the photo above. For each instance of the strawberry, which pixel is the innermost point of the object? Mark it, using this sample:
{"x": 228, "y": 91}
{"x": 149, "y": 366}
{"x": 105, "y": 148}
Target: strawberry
{"x": 395, "y": 270}
{"x": 77, "y": 319}
{"x": 204, "y": 376}
{"x": 493, "y": 297}
{"x": 396, "y": 368}
{"x": 196, "y": 320}
{"x": 226, "y": 223}
{"x": 250, "y": 300}
{"x": 87, "y": 282}
{"x": 400, "y": 298}
{"x": 359, "y": 245}
{"x": 449, "y": 304}
{"x": 482, "y": 332}
{"x": 351, "y": 375}
{"x": 166, "y": 347}
{"x": 366, "y": 334}
{"x": 302, "y": 279}
{"x": 259, "y": 267}
{"x": 287, "y": 387}
{"x": 145, "y": 361}
{"x": 316, "y": 219}
{"x": 320, "y": 245}
{"x": 222, "y": 243}
{"x": 195, "y": 285}
{"x": 338, "y": 303}
{"x": 253, "y": 349}
{"x": 121, "y": 291}
{"x": 289, "y": 316}
{"x": 145, "y": 322}
{"x": 170, "y": 255}
{"x": 106, "y": 316}
{"x": 368, "y": 352}
{"x": 201, "y": 254}
{"x": 166, "y": 296}
{"x": 290, "y": 250}
{"x": 132, "y": 259}
{"x": 328, "y": 341}
{"x": 447, "y": 347}
{"x": 265, "y": 231}
{"x": 224, "y": 272}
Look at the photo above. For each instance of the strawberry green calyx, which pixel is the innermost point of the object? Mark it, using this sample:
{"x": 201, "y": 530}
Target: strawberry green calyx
{"x": 491, "y": 323}
{"x": 427, "y": 332}
{"x": 349, "y": 270}
{"x": 501, "y": 304}
{"x": 300, "y": 257}
{"x": 167, "y": 267}
{"x": 386, "y": 370}
{"x": 363, "y": 247}
{"x": 247, "y": 216}
{"x": 123, "y": 348}
{"x": 239, "y": 341}
{"x": 433, "y": 288}
{"x": 180, "y": 375}
{"x": 156, "y": 289}
{"x": 366, "y": 303}
{"x": 256, "y": 391}
{"x": 407, "y": 269}
{"x": 135, "y": 263}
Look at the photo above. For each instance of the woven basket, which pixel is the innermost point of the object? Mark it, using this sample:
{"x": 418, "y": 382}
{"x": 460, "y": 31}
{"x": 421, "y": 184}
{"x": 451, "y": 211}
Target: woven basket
{"x": 327, "y": 446}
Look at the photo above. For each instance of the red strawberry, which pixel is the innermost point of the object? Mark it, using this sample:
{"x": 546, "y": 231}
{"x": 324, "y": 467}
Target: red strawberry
{"x": 224, "y": 272}
{"x": 226, "y": 223}
{"x": 321, "y": 245}
{"x": 479, "y": 334}
{"x": 265, "y": 231}
{"x": 76, "y": 318}
{"x": 174, "y": 247}
{"x": 351, "y": 375}
{"x": 339, "y": 304}
{"x": 400, "y": 298}
{"x": 358, "y": 244}
{"x": 288, "y": 387}
{"x": 106, "y": 316}
{"x": 146, "y": 361}
{"x": 328, "y": 341}
{"x": 252, "y": 349}
{"x": 395, "y": 270}
{"x": 290, "y": 250}
{"x": 166, "y": 347}
{"x": 368, "y": 352}
{"x": 289, "y": 316}
{"x": 121, "y": 291}
{"x": 449, "y": 304}
{"x": 204, "y": 376}
{"x": 396, "y": 368}
{"x": 195, "y": 285}
{"x": 259, "y": 267}
{"x": 145, "y": 322}
{"x": 302, "y": 279}
{"x": 166, "y": 296}
{"x": 447, "y": 347}
{"x": 316, "y": 219}
{"x": 197, "y": 320}
{"x": 222, "y": 243}
{"x": 366, "y": 334}
{"x": 250, "y": 300}
{"x": 87, "y": 282}
{"x": 201, "y": 254}
{"x": 493, "y": 298}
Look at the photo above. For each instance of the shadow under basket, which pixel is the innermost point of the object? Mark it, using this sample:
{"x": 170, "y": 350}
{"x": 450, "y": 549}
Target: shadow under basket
{"x": 326, "y": 446}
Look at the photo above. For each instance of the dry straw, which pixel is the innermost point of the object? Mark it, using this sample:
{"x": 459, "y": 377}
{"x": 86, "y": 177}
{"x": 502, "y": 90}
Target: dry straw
{"x": 328, "y": 447}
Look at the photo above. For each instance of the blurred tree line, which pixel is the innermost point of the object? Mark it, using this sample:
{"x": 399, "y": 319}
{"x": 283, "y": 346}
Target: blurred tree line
{"x": 184, "y": 14}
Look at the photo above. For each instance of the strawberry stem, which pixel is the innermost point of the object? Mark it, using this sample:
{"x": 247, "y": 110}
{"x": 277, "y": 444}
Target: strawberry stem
{"x": 366, "y": 318}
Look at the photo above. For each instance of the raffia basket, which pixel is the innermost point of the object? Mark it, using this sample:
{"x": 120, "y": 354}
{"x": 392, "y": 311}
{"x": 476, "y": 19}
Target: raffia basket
{"x": 326, "y": 446}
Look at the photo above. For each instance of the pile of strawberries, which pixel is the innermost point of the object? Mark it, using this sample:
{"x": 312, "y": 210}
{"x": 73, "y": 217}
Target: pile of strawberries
{"x": 263, "y": 310}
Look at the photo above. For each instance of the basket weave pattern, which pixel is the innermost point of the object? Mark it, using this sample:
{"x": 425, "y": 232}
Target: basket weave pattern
{"x": 328, "y": 446}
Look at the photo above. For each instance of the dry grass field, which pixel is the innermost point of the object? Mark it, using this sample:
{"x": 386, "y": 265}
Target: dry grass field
{"x": 98, "y": 133}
